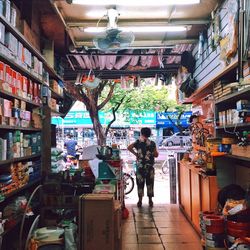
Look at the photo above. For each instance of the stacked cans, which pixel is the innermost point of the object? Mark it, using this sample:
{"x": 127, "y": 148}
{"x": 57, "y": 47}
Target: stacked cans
{"x": 236, "y": 230}
{"x": 213, "y": 230}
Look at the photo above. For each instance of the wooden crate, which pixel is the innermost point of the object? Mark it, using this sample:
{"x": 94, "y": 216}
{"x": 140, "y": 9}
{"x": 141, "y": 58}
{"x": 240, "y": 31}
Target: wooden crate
{"x": 240, "y": 151}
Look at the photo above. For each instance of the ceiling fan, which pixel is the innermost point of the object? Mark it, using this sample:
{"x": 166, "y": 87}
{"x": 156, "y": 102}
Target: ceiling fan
{"x": 113, "y": 39}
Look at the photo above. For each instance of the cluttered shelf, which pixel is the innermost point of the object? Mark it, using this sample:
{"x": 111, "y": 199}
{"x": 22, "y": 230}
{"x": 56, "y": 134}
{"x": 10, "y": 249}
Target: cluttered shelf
{"x": 8, "y": 94}
{"x": 26, "y": 186}
{"x": 202, "y": 91}
{"x": 54, "y": 94}
{"x": 22, "y": 39}
{"x": 238, "y": 125}
{"x": 19, "y": 159}
{"x": 238, "y": 157}
{"x": 20, "y": 68}
{"x": 19, "y": 128}
{"x": 244, "y": 93}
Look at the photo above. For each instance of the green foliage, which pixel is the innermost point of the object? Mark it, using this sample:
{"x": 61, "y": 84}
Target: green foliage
{"x": 146, "y": 98}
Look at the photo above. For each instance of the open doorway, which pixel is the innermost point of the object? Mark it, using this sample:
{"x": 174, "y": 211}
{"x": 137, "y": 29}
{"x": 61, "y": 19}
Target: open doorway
{"x": 161, "y": 183}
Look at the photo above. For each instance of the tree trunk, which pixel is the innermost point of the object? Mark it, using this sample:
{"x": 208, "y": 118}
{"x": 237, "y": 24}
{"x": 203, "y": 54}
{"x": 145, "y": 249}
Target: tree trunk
{"x": 97, "y": 126}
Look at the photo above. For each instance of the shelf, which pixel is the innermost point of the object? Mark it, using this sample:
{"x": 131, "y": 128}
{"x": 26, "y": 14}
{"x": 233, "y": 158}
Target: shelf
{"x": 56, "y": 113}
{"x": 34, "y": 51}
{"x": 238, "y": 157}
{"x": 239, "y": 125}
{"x": 21, "y": 189}
{"x": 5, "y": 93}
{"x": 20, "y": 69}
{"x": 25, "y": 158}
{"x": 244, "y": 93}
{"x": 53, "y": 93}
{"x": 208, "y": 87}
{"x": 19, "y": 128}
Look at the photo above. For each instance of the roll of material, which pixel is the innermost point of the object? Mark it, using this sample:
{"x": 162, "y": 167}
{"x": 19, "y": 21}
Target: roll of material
{"x": 238, "y": 233}
{"x": 212, "y": 243}
{"x": 214, "y": 220}
{"x": 215, "y": 237}
{"x": 216, "y": 248}
{"x": 215, "y": 229}
{"x": 238, "y": 225}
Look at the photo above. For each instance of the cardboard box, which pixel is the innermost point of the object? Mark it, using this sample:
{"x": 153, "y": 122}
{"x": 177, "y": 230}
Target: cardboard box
{"x": 96, "y": 216}
{"x": 2, "y": 71}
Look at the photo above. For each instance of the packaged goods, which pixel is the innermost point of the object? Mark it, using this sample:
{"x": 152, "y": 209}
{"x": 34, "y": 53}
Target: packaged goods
{"x": 2, "y": 33}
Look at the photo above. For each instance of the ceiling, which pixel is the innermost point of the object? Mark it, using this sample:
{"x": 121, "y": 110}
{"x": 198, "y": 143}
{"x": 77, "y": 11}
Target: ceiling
{"x": 150, "y": 53}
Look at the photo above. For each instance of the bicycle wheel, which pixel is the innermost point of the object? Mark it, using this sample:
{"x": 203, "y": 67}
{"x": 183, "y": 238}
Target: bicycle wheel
{"x": 164, "y": 167}
{"x": 128, "y": 183}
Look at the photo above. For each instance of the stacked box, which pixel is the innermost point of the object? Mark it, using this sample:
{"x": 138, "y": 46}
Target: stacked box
{"x": 11, "y": 43}
{"x": 3, "y": 149}
{"x": 2, "y": 33}
{"x": 9, "y": 137}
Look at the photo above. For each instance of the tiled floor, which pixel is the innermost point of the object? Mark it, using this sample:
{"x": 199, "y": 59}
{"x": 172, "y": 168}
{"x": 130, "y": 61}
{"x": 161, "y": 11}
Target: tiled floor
{"x": 158, "y": 228}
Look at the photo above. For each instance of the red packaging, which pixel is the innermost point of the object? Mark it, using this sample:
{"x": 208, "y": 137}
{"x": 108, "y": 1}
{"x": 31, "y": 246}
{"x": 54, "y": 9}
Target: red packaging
{"x": 14, "y": 81}
{"x": 8, "y": 74}
{"x": 25, "y": 84}
{"x": 2, "y": 73}
{"x": 19, "y": 81}
{"x": 30, "y": 87}
{"x": 35, "y": 90}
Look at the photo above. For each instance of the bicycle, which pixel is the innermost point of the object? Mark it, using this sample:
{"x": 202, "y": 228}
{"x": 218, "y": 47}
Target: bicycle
{"x": 128, "y": 179}
{"x": 165, "y": 165}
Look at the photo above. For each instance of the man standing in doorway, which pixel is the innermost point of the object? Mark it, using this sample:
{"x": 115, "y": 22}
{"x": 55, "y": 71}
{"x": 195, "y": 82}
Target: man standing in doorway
{"x": 145, "y": 151}
{"x": 70, "y": 145}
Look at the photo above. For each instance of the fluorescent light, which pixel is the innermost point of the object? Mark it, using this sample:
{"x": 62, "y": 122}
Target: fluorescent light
{"x": 140, "y": 29}
{"x": 136, "y": 2}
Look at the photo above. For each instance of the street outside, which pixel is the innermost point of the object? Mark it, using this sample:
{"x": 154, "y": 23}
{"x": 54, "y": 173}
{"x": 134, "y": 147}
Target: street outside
{"x": 162, "y": 190}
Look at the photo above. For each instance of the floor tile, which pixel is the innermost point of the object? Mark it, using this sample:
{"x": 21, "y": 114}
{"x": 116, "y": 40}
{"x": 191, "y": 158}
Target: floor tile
{"x": 179, "y": 238}
{"x": 130, "y": 239}
{"x": 149, "y": 239}
{"x": 147, "y": 231}
{"x": 151, "y": 247}
{"x": 145, "y": 224}
{"x": 130, "y": 247}
{"x": 182, "y": 246}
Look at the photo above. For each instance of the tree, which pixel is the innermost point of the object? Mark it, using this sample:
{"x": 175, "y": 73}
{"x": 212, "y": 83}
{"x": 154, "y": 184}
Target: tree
{"x": 91, "y": 99}
{"x": 109, "y": 96}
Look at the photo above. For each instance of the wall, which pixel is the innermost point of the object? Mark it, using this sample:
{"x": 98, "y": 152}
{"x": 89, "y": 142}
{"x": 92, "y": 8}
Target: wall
{"x": 208, "y": 65}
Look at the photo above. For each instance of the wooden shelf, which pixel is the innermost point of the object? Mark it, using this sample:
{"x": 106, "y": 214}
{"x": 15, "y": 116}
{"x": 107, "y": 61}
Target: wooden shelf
{"x": 34, "y": 51}
{"x": 25, "y": 158}
{"x": 208, "y": 87}
{"x": 20, "y": 68}
{"x": 22, "y": 188}
{"x": 7, "y": 94}
{"x": 19, "y": 128}
{"x": 238, "y": 157}
{"x": 239, "y": 125}
{"x": 54, "y": 94}
{"x": 244, "y": 93}
{"x": 56, "y": 113}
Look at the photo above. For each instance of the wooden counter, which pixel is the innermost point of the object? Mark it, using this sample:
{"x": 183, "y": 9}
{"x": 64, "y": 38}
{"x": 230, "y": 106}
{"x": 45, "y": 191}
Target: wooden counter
{"x": 197, "y": 192}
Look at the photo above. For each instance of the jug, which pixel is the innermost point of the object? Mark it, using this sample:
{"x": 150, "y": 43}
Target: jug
{"x": 104, "y": 152}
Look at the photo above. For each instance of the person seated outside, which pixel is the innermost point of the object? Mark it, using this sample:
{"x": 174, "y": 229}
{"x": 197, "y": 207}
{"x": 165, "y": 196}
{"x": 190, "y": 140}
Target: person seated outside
{"x": 70, "y": 145}
{"x": 145, "y": 151}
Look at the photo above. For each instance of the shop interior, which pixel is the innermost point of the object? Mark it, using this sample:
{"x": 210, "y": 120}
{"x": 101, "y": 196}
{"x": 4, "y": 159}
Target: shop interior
{"x": 56, "y": 52}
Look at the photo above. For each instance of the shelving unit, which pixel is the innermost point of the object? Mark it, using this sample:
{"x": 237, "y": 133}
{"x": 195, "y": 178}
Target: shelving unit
{"x": 20, "y": 159}
{"x": 45, "y": 155}
{"x": 238, "y": 125}
{"x": 208, "y": 87}
{"x": 7, "y": 94}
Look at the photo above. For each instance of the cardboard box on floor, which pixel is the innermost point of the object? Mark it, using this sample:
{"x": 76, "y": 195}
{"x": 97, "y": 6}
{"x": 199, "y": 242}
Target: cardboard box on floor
{"x": 98, "y": 228}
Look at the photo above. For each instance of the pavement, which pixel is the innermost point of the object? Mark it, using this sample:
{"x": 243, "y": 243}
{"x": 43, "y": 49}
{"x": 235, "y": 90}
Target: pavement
{"x": 161, "y": 185}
